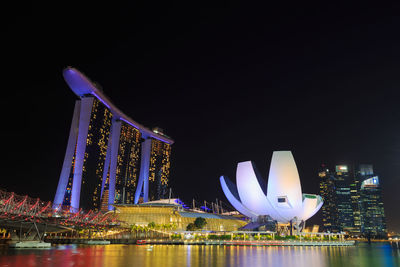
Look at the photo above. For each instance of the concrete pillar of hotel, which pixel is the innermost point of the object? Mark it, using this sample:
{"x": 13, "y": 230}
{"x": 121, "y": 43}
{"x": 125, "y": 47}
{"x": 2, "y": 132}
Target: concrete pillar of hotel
{"x": 116, "y": 130}
{"x": 69, "y": 154}
{"x": 84, "y": 120}
{"x": 144, "y": 172}
{"x": 110, "y": 163}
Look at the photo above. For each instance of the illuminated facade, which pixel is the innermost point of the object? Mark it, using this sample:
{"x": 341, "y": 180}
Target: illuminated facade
{"x": 353, "y": 202}
{"x": 128, "y": 160}
{"x": 109, "y": 158}
{"x": 164, "y": 214}
{"x": 355, "y": 205}
{"x": 343, "y": 179}
{"x": 95, "y": 154}
{"x": 340, "y": 198}
{"x": 328, "y": 193}
{"x": 373, "y": 221}
{"x": 282, "y": 199}
{"x": 159, "y": 169}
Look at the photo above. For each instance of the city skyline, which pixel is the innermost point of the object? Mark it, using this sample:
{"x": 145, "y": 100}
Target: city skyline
{"x": 229, "y": 84}
{"x": 353, "y": 200}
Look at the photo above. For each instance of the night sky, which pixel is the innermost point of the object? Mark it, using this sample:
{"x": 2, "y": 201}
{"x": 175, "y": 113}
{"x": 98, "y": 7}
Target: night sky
{"x": 230, "y": 83}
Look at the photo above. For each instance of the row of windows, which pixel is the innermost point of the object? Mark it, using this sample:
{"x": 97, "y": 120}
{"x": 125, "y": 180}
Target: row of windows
{"x": 128, "y": 162}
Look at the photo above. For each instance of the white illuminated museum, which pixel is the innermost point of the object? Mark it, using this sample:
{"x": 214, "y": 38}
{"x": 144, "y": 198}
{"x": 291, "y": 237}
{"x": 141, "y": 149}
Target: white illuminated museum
{"x": 282, "y": 199}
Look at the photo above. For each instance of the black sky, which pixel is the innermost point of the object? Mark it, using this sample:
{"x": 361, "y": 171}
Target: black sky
{"x": 229, "y": 83}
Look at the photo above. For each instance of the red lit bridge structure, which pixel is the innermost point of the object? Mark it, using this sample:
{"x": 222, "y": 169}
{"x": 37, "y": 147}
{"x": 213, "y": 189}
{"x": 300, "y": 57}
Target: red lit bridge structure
{"x": 24, "y": 214}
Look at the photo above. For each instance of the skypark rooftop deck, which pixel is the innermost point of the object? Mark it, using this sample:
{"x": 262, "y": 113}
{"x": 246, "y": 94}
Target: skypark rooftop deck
{"x": 82, "y": 86}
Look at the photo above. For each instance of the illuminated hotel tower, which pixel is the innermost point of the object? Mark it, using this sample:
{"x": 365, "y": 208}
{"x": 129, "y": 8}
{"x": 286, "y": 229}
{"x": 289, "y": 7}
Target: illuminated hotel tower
{"x": 110, "y": 158}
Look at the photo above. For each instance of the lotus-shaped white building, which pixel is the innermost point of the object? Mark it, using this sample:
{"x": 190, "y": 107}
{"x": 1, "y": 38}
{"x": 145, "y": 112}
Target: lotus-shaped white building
{"x": 282, "y": 199}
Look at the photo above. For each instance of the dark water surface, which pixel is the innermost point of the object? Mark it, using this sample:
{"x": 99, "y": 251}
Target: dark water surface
{"x": 380, "y": 254}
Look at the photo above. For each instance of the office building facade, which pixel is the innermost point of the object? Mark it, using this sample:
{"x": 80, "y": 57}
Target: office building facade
{"x": 343, "y": 180}
{"x": 328, "y": 193}
{"x": 372, "y": 213}
{"x": 335, "y": 188}
{"x": 353, "y": 201}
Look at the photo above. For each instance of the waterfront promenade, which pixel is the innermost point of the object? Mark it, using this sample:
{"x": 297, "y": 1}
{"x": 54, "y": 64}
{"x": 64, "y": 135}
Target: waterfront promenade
{"x": 241, "y": 238}
{"x": 253, "y": 242}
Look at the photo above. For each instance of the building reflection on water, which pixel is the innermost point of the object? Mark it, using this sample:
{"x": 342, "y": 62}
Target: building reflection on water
{"x": 382, "y": 254}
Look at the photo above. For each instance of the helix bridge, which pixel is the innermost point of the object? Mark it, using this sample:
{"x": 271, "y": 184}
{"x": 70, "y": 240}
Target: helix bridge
{"x": 20, "y": 212}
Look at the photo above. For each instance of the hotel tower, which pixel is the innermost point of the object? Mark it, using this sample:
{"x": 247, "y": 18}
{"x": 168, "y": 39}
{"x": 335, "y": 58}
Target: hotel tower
{"x": 110, "y": 158}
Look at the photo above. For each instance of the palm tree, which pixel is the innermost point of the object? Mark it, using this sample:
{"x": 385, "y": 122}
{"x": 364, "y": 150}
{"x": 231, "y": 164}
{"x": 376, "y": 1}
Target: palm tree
{"x": 146, "y": 230}
{"x": 135, "y": 228}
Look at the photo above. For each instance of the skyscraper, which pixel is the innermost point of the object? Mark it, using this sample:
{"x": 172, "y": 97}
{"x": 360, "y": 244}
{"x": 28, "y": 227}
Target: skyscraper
{"x": 343, "y": 179}
{"x": 328, "y": 193}
{"x": 159, "y": 169}
{"x": 109, "y": 158}
{"x": 128, "y": 160}
{"x": 372, "y": 212}
{"x": 335, "y": 188}
{"x": 355, "y": 204}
